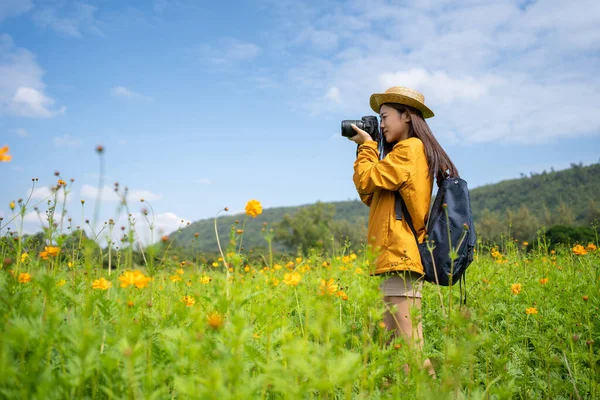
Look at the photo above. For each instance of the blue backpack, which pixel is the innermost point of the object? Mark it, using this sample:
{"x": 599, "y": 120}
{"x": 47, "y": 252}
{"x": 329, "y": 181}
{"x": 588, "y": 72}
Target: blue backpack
{"x": 454, "y": 195}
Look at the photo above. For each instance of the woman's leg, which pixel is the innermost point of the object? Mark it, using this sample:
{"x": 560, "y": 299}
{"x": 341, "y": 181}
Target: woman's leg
{"x": 401, "y": 324}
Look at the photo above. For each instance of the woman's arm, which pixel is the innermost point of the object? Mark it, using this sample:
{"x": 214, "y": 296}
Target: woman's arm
{"x": 371, "y": 174}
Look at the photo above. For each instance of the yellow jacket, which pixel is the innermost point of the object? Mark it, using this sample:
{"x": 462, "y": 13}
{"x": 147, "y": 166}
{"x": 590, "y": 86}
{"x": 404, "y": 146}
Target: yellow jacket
{"x": 405, "y": 169}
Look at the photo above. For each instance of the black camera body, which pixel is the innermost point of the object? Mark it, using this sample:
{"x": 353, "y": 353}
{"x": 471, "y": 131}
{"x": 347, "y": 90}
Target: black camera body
{"x": 368, "y": 124}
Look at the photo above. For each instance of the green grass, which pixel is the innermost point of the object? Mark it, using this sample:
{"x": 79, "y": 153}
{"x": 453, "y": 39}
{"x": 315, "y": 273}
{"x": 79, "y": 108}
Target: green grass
{"x": 266, "y": 339}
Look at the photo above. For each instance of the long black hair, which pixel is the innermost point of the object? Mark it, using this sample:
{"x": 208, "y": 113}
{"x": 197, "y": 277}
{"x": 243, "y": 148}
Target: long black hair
{"x": 440, "y": 165}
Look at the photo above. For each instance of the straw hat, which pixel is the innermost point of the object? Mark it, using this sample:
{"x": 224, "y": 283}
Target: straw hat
{"x": 402, "y": 95}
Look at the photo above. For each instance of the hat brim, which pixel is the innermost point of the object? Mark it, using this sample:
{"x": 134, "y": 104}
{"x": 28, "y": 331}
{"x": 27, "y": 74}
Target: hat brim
{"x": 378, "y": 99}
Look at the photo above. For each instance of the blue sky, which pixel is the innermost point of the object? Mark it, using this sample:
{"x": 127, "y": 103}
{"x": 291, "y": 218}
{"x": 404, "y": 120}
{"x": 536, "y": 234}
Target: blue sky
{"x": 202, "y": 105}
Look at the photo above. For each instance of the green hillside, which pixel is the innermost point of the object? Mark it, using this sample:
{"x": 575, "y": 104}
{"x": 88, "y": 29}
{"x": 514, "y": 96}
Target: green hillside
{"x": 567, "y": 197}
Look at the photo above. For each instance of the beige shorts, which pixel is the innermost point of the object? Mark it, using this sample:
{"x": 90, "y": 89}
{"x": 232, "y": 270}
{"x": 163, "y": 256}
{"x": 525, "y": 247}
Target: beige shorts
{"x": 402, "y": 283}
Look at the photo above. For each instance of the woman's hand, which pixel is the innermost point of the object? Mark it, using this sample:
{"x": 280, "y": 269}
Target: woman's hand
{"x": 361, "y": 136}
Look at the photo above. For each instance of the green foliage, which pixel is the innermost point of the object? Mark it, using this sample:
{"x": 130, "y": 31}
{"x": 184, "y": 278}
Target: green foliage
{"x": 254, "y": 336}
{"x": 570, "y": 235}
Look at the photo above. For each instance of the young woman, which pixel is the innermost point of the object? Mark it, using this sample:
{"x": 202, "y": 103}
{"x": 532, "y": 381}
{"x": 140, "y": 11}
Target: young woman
{"x": 407, "y": 160}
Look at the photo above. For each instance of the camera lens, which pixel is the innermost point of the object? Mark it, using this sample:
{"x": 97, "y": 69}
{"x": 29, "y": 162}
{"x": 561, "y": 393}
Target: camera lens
{"x": 347, "y": 130}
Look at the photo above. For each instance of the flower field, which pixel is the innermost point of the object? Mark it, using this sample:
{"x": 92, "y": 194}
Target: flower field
{"x": 291, "y": 326}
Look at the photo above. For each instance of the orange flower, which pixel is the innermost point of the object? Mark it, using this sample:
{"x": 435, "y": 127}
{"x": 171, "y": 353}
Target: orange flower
{"x": 579, "y": 250}
{"x": 4, "y": 156}
{"x": 215, "y": 320}
{"x": 292, "y": 278}
{"x": 136, "y": 278}
{"x": 531, "y": 310}
{"x": 49, "y": 251}
{"x": 327, "y": 287}
{"x": 101, "y": 284}
{"x": 543, "y": 281}
{"x": 253, "y": 208}
{"x": 24, "y": 277}
{"x": 591, "y": 246}
{"x": 188, "y": 301}
{"x": 342, "y": 295}
{"x": 515, "y": 288}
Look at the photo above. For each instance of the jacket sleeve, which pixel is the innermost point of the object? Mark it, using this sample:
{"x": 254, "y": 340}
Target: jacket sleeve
{"x": 366, "y": 198}
{"x": 371, "y": 174}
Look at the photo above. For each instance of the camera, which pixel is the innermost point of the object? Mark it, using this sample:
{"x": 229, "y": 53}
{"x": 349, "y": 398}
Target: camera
{"x": 368, "y": 124}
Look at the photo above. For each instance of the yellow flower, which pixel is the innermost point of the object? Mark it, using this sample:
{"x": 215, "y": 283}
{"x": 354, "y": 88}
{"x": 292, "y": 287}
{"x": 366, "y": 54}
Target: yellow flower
{"x": 327, "y": 287}
{"x": 24, "y": 277}
{"x": 531, "y": 310}
{"x": 215, "y": 320}
{"x": 525, "y": 243}
{"x": 215, "y": 264}
{"x": 552, "y": 251}
{"x": 179, "y": 271}
{"x": 11, "y": 205}
{"x": 253, "y": 208}
{"x": 353, "y": 256}
{"x": 49, "y": 251}
{"x": 579, "y": 250}
{"x": 205, "y": 279}
{"x": 70, "y": 264}
{"x": 62, "y": 183}
{"x": 358, "y": 271}
{"x": 188, "y": 301}
{"x": 61, "y": 283}
{"x": 277, "y": 267}
{"x": 292, "y": 278}
{"x": 24, "y": 257}
{"x": 4, "y": 156}
{"x": 591, "y": 246}
{"x": 275, "y": 282}
{"x": 515, "y": 288}
{"x": 136, "y": 278}
{"x": 290, "y": 265}
{"x": 543, "y": 281}
{"x": 101, "y": 284}
{"x": 175, "y": 278}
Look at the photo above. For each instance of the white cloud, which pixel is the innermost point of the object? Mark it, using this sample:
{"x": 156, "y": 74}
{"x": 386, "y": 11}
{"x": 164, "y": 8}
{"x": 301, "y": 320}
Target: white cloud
{"x": 20, "y": 132}
{"x": 491, "y": 71}
{"x": 70, "y": 20}
{"x": 41, "y": 193}
{"x": 13, "y": 8}
{"x": 108, "y": 194}
{"x": 227, "y": 52}
{"x": 66, "y": 140}
{"x": 334, "y": 95}
{"x": 21, "y": 87}
{"x": 122, "y": 91}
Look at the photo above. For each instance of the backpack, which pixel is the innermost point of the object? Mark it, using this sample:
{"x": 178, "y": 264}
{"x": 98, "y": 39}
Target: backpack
{"x": 438, "y": 269}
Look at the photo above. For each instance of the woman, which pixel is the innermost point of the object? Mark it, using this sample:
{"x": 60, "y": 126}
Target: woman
{"x": 406, "y": 160}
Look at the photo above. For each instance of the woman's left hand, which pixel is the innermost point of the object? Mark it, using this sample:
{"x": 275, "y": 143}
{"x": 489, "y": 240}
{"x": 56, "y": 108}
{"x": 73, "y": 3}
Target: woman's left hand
{"x": 361, "y": 136}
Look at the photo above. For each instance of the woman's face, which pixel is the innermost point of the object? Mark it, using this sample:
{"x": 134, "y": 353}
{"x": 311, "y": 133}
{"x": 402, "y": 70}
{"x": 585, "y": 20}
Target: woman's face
{"x": 395, "y": 126}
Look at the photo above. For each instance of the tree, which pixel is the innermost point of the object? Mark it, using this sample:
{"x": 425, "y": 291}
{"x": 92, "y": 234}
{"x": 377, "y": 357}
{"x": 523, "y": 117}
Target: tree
{"x": 489, "y": 226}
{"x": 564, "y": 215}
{"x": 524, "y": 224}
{"x": 309, "y": 227}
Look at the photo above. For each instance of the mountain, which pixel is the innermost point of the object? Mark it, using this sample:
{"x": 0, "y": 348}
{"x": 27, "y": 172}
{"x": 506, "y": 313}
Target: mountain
{"x": 566, "y": 197}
